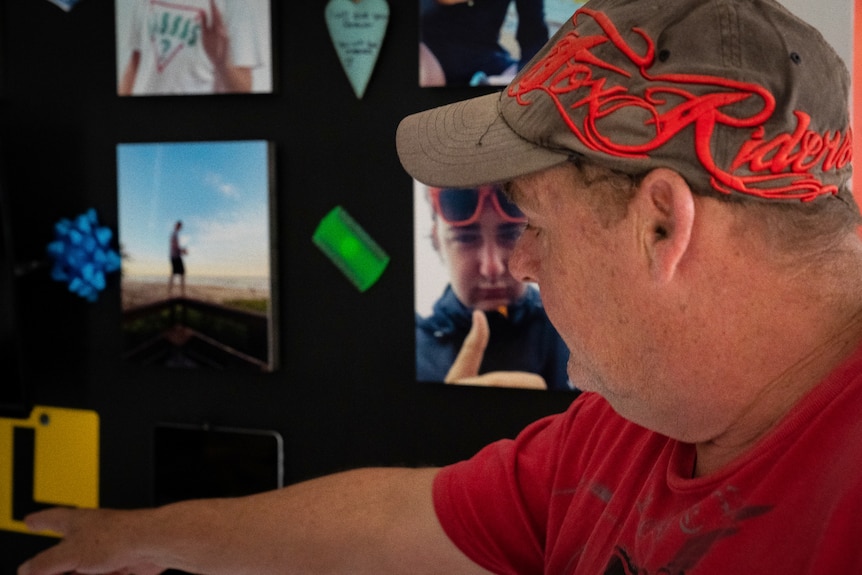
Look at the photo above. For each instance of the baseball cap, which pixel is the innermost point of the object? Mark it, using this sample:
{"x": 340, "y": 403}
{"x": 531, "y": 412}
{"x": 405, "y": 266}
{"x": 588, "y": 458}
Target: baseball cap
{"x": 740, "y": 97}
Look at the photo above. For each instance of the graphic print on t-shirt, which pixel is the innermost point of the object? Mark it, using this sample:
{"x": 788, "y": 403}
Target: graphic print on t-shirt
{"x": 697, "y": 530}
{"x": 172, "y": 28}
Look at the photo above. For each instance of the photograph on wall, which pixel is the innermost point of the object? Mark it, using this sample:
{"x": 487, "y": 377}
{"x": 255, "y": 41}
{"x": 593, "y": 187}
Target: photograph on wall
{"x": 463, "y": 240}
{"x": 196, "y": 245}
{"x": 484, "y": 42}
{"x": 193, "y": 47}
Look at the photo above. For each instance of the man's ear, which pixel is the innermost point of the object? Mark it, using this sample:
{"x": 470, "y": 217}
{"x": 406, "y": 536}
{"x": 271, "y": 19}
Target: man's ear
{"x": 666, "y": 207}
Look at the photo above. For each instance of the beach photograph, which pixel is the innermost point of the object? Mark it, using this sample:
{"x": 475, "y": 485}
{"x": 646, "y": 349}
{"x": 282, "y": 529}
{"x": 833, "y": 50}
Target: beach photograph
{"x": 195, "y": 244}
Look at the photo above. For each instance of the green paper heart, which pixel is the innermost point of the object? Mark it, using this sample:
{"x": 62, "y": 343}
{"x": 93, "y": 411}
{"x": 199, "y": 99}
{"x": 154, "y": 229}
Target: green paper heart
{"x": 357, "y": 28}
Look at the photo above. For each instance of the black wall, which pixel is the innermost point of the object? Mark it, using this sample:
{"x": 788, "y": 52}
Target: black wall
{"x": 345, "y": 394}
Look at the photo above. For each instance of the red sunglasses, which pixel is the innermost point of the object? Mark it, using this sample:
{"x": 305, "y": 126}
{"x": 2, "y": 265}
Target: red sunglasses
{"x": 462, "y": 206}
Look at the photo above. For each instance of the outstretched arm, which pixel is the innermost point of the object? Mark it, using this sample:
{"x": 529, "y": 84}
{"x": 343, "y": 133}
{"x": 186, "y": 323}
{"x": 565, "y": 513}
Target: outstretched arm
{"x": 127, "y": 80}
{"x": 364, "y": 521}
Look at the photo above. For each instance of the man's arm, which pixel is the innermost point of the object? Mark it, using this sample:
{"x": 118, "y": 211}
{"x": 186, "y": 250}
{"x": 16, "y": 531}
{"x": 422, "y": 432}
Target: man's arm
{"x": 127, "y": 82}
{"x": 233, "y": 79}
{"x": 364, "y": 521}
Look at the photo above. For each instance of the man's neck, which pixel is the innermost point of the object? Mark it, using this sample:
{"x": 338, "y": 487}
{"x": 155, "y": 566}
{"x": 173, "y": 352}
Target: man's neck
{"x": 775, "y": 399}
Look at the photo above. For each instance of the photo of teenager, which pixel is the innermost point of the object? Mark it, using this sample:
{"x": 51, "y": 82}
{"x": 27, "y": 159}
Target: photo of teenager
{"x": 193, "y": 47}
{"x": 476, "y": 324}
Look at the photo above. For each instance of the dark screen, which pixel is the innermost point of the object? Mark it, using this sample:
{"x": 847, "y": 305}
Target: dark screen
{"x": 194, "y": 462}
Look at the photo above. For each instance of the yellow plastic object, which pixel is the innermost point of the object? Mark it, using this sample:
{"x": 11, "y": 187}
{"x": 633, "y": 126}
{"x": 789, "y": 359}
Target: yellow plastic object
{"x": 60, "y": 464}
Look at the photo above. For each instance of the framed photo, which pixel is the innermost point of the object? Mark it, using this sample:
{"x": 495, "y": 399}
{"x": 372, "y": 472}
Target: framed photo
{"x": 175, "y": 47}
{"x": 196, "y": 247}
{"x": 463, "y": 240}
{"x": 484, "y": 42}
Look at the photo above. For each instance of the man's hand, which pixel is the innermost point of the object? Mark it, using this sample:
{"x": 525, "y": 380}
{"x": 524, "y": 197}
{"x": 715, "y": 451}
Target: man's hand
{"x": 465, "y": 369}
{"x": 94, "y": 541}
{"x": 216, "y": 43}
{"x": 215, "y": 38}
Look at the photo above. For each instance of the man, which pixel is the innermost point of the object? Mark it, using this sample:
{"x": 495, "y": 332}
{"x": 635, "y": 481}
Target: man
{"x": 473, "y": 230}
{"x": 707, "y": 287}
{"x": 176, "y": 253}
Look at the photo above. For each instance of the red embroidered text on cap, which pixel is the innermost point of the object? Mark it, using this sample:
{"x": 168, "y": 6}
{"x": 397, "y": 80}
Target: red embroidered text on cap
{"x": 782, "y": 166}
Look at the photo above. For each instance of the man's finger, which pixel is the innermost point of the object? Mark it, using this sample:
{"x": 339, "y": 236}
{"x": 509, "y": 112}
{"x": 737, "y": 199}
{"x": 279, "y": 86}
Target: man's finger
{"x": 472, "y": 352}
{"x": 49, "y": 562}
{"x": 215, "y": 20}
{"x": 55, "y": 519}
{"x": 516, "y": 379}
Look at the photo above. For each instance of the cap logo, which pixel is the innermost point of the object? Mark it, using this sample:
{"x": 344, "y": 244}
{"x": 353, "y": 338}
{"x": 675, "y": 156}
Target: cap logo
{"x": 780, "y": 166}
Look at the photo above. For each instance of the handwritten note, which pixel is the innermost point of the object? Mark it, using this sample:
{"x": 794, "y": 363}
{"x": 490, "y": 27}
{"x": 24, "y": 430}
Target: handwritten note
{"x": 357, "y": 28}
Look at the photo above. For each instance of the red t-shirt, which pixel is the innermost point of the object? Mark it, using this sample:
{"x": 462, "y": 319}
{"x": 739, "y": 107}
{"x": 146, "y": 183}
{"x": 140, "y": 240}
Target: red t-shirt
{"x": 588, "y": 492}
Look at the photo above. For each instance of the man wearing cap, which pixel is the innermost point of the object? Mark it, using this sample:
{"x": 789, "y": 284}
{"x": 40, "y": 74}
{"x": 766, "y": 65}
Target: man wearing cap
{"x": 684, "y": 168}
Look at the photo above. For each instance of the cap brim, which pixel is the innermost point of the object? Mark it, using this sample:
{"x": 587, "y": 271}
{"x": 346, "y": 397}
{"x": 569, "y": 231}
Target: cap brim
{"x": 466, "y": 144}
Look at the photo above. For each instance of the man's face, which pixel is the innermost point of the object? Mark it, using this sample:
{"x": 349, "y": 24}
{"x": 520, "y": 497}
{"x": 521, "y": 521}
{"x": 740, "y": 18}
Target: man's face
{"x": 477, "y": 257}
{"x": 586, "y": 275}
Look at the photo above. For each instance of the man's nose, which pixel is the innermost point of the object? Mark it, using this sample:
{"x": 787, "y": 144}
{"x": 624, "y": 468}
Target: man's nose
{"x": 519, "y": 262}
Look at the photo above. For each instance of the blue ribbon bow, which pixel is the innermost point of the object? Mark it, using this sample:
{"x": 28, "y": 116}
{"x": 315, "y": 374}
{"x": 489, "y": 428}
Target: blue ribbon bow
{"x": 82, "y": 254}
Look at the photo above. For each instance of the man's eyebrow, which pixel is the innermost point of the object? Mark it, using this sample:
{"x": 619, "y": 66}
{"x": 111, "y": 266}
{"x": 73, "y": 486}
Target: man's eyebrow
{"x": 510, "y": 190}
{"x": 515, "y": 194}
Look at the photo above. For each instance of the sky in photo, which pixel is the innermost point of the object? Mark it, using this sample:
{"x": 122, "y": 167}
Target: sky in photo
{"x": 220, "y": 191}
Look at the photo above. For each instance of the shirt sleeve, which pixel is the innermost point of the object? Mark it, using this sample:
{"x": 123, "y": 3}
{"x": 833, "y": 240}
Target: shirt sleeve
{"x": 137, "y": 16}
{"x": 494, "y": 506}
